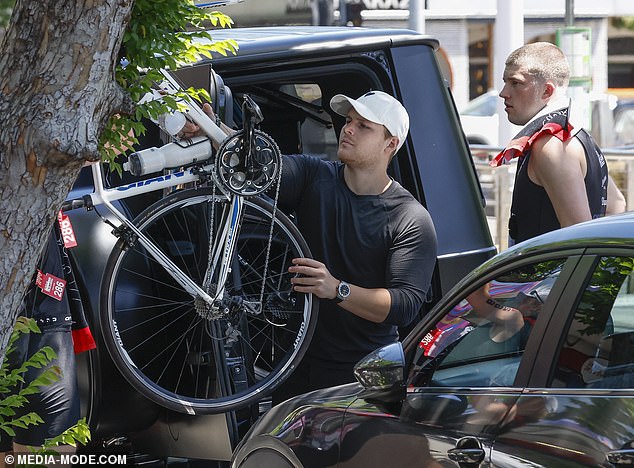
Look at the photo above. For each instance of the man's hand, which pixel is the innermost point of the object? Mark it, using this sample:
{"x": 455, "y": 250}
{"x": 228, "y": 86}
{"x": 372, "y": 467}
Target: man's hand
{"x": 370, "y": 304}
{"x": 190, "y": 129}
{"x": 315, "y": 278}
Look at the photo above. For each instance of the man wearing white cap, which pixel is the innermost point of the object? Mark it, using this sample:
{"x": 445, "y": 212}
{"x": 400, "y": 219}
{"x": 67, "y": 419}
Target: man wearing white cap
{"x": 374, "y": 244}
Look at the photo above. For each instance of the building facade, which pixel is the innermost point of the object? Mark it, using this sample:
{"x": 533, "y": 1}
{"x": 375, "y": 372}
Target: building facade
{"x": 466, "y": 32}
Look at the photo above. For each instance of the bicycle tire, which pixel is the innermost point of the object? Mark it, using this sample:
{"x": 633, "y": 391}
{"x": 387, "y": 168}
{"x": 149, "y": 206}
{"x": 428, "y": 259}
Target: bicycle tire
{"x": 169, "y": 352}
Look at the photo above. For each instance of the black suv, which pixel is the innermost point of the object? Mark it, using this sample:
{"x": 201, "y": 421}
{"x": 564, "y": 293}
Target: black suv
{"x": 292, "y": 72}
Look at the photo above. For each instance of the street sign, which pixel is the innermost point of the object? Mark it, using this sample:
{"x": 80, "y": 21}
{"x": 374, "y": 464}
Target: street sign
{"x": 575, "y": 43}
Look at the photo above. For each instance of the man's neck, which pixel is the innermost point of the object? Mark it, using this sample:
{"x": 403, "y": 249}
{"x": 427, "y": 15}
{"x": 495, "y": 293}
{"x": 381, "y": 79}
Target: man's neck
{"x": 364, "y": 182}
{"x": 556, "y": 102}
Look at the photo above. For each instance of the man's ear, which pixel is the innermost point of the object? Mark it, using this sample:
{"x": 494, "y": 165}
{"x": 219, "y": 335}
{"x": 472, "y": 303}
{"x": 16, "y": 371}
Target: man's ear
{"x": 549, "y": 90}
{"x": 392, "y": 144}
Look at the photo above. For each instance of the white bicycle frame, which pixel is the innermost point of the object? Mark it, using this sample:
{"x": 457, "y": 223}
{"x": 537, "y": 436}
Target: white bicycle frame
{"x": 223, "y": 249}
{"x": 225, "y": 243}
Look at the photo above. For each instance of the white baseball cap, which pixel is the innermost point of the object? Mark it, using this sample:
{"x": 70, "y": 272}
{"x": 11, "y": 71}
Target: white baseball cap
{"x": 377, "y": 107}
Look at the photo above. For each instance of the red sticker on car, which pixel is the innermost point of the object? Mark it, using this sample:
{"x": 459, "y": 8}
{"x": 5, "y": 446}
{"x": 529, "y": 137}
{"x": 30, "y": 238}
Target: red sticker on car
{"x": 428, "y": 341}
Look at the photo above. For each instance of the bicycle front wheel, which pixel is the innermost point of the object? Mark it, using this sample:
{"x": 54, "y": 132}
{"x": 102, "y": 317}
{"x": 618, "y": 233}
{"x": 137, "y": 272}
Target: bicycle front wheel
{"x": 180, "y": 357}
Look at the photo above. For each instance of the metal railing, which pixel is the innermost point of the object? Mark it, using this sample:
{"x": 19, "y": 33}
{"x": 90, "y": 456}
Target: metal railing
{"x": 497, "y": 184}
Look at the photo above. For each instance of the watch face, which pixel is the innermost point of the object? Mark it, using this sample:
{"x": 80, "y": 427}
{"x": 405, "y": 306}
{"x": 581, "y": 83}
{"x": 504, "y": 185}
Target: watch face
{"x": 343, "y": 290}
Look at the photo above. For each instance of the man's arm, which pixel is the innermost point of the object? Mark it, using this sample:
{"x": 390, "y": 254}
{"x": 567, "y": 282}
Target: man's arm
{"x": 560, "y": 167}
{"x": 371, "y": 304}
{"x": 486, "y": 307}
{"x": 616, "y": 200}
{"x": 409, "y": 271}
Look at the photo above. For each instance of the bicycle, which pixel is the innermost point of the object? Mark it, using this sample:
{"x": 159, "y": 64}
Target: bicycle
{"x": 197, "y": 309}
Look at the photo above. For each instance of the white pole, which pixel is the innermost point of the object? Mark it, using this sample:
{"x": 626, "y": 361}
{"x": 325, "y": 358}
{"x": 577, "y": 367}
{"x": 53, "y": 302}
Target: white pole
{"x": 508, "y": 35}
{"x": 417, "y": 15}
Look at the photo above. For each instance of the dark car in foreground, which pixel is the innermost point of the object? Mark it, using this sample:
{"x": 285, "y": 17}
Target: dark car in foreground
{"x": 291, "y": 73}
{"x": 553, "y": 389}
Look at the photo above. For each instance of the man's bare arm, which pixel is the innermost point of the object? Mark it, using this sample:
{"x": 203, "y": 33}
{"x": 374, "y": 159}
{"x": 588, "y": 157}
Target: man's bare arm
{"x": 616, "y": 200}
{"x": 560, "y": 168}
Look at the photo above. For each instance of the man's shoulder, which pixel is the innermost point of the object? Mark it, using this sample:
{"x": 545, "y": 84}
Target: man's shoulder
{"x": 549, "y": 150}
{"x": 405, "y": 196}
{"x": 410, "y": 208}
{"x": 310, "y": 163}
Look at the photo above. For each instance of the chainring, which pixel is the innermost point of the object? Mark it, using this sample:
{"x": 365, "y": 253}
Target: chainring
{"x": 230, "y": 170}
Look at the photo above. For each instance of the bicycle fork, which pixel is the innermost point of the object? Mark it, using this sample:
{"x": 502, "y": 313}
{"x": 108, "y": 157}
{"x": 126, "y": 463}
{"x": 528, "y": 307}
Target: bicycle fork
{"x": 222, "y": 254}
{"x": 222, "y": 258}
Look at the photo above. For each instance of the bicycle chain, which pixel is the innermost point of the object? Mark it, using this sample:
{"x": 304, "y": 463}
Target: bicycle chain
{"x": 270, "y": 241}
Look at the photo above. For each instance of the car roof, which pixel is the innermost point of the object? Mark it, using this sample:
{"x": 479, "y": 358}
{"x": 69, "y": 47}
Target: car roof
{"x": 483, "y": 105}
{"x": 610, "y": 231}
{"x": 259, "y": 43}
{"x": 622, "y": 103}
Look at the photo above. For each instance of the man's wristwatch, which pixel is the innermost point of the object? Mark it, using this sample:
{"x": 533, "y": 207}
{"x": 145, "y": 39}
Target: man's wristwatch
{"x": 343, "y": 291}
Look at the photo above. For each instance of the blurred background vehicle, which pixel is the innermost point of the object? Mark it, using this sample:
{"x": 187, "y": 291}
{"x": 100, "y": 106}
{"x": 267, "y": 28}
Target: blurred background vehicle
{"x": 480, "y": 119}
{"x": 624, "y": 122}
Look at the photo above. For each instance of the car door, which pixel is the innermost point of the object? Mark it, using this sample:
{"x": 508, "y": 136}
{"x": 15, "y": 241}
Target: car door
{"x": 464, "y": 380}
{"x": 581, "y": 394}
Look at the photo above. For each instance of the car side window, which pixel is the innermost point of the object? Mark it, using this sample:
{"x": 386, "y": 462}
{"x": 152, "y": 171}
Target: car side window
{"x": 481, "y": 340}
{"x": 295, "y": 117}
{"x": 315, "y": 129}
{"x": 598, "y": 351}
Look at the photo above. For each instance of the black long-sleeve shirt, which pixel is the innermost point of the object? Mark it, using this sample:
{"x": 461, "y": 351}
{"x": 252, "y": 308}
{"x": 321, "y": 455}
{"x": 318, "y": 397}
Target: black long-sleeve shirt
{"x": 373, "y": 241}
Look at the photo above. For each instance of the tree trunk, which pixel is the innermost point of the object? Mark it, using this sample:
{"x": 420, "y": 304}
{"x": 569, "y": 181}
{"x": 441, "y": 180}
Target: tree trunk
{"x": 57, "y": 91}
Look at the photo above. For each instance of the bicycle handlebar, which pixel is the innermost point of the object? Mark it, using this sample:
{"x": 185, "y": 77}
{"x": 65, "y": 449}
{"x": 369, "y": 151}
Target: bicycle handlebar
{"x": 85, "y": 201}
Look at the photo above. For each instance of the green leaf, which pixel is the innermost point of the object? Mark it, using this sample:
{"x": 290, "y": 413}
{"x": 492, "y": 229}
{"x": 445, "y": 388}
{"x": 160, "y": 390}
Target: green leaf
{"x": 161, "y": 34}
{"x": 79, "y": 433}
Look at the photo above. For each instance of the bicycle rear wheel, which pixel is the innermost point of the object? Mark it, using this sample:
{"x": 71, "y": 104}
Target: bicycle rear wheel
{"x": 175, "y": 355}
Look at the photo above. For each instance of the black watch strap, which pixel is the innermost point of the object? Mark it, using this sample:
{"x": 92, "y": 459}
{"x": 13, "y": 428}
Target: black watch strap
{"x": 343, "y": 291}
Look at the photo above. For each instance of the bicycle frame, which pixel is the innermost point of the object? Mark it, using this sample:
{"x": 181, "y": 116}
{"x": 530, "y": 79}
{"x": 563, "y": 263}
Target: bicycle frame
{"x": 223, "y": 250}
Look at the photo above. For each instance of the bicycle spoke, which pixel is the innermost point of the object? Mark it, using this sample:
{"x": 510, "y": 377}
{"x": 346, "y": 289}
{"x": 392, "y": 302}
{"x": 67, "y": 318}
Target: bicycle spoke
{"x": 153, "y": 335}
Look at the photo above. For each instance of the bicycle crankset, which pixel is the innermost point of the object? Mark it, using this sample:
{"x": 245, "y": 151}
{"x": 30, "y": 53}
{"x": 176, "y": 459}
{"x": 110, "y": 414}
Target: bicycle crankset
{"x": 248, "y": 163}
